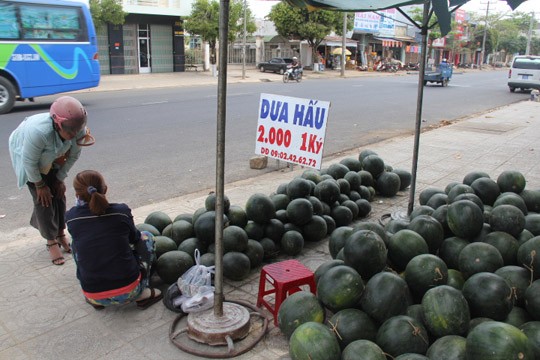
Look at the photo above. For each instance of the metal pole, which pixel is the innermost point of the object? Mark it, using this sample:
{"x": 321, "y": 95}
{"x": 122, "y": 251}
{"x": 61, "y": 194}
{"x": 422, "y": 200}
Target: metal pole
{"x": 344, "y": 44}
{"x": 419, "y": 100}
{"x": 244, "y": 46}
{"x": 529, "y": 35}
{"x": 220, "y": 153}
{"x": 482, "y": 54}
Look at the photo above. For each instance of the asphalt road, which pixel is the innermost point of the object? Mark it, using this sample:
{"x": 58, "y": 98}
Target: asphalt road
{"x": 155, "y": 144}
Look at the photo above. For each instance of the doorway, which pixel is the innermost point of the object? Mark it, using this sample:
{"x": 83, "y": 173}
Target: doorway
{"x": 145, "y": 64}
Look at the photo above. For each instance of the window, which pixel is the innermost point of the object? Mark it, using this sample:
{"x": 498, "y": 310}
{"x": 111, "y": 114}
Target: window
{"x": 41, "y": 22}
{"x": 8, "y": 22}
{"x": 527, "y": 63}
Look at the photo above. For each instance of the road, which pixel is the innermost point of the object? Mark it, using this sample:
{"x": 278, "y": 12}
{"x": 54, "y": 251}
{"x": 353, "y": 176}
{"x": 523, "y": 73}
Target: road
{"x": 155, "y": 144}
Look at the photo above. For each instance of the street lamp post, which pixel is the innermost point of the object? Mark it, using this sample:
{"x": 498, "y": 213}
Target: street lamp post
{"x": 244, "y": 45}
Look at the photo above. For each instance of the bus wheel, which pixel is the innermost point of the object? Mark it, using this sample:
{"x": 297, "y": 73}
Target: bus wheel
{"x": 7, "y": 95}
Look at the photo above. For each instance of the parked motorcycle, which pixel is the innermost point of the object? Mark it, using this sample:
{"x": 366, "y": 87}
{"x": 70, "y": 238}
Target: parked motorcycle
{"x": 291, "y": 75}
{"x": 412, "y": 66}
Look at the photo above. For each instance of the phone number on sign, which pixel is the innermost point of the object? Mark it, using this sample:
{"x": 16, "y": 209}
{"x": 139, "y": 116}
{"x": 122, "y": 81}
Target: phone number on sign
{"x": 282, "y": 155}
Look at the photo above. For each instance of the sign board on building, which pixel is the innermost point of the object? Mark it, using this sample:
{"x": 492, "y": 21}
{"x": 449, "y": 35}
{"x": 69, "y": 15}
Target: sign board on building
{"x": 292, "y": 129}
{"x": 381, "y": 22}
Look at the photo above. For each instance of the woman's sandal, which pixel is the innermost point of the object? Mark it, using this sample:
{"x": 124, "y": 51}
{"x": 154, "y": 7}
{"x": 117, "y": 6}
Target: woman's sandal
{"x": 149, "y": 301}
{"x": 59, "y": 260}
{"x": 64, "y": 243}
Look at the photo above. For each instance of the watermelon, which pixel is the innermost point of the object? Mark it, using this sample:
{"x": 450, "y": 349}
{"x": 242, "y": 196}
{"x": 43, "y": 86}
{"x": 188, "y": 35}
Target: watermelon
{"x": 173, "y": 264}
{"x": 450, "y": 347}
{"x": 528, "y": 255}
{"x": 445, "y": 311}
{"x": 488, "y": 295}
{"x": 385, "y": 295}
{"x": 519, "y": 279}
{"x": 532, "y": 330}
{"x": 430, "y": 229}
{"x": 210, "y": 202}
{"x": 179, "y": 231}
{"x": 297, "y": 309}
{"x": 424, "y": 272}
{"x": 532, "y": 300}
{"x": 507, "y": 218}
{"x": 158, "y": 219}
{"x": 340, "y": 287}
{"x": 352, "y": 324}
{"x": 314, "y": 341}
{"x": 465, "y": 219}
{"x": 511, "y": 180}
{"x": 260, "y": 208}
{"x": 402, "y": 334}
{"x": 368, "y": 349}
{"x": 366, "y": 252}
{"x": 403, "y": 246}
{"x": 494, "y": 340}
{"x": 298, "y": 188}
{"x": 292, "y": 243}
{"x": 479, "y": 257}
{"x": 236, "y": 265}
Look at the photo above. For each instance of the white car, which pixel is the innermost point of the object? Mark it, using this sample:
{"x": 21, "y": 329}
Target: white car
{"x": 524, "y": 73}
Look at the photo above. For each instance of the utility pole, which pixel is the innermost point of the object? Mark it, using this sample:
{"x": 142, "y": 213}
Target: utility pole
{"x": 244, "y": 45}
{"x": 529, "y": 35}
{"x": 344, "y": 45}
{"x": 482, "y": 54}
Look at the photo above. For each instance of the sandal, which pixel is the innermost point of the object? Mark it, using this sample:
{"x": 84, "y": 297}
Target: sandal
{"x": 64, "y": 243}
{"x": 59, "y": 260}
{"x": 149, "y": 301}
{"x": 95, "y": 306}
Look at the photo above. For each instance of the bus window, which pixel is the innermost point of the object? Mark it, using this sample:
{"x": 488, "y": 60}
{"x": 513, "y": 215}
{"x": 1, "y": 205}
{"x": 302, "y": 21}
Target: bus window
{"x": 8, "y": 22}
{"x": 52, "y": 23}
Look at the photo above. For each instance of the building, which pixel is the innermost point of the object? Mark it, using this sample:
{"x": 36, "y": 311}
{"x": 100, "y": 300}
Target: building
{"x": 150, "y": 40}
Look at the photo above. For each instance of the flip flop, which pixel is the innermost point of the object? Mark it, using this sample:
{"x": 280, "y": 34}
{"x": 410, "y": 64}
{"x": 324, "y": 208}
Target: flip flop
{"x": 149, "y": 301}
{"x": 96, "y": 307}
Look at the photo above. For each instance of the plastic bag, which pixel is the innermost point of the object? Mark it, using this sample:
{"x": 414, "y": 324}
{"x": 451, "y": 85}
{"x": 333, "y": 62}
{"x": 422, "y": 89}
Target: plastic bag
{"x": 199, "y": 302}
{"x": 198, "y": 279}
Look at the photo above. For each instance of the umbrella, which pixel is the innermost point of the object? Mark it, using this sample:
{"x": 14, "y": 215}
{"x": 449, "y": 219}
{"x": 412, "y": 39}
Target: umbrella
{"x": 339, "y": 51}
{"x": 441, "y": 8}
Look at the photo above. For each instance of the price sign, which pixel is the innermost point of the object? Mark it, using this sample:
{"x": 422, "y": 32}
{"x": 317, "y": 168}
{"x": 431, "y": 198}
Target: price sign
{"x": 292, "y": 129}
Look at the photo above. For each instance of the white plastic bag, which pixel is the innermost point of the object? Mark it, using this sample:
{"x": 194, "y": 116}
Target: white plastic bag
{"x": 196, "y": 287}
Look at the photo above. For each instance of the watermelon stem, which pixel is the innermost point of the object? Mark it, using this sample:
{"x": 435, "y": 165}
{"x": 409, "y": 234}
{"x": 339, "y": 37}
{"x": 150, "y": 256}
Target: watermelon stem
{"x": 417, "y": 332}
{"x": 334, "y": 329}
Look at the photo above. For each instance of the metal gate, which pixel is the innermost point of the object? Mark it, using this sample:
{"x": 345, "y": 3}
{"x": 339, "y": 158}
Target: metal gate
{"x": 103, "y": 50}
{"x": 161, "y": 48}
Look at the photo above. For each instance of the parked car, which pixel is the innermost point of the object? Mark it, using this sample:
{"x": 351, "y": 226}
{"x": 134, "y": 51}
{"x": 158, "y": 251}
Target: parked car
{"x": 277, "y": 65}
{"x": 524, "y": 73}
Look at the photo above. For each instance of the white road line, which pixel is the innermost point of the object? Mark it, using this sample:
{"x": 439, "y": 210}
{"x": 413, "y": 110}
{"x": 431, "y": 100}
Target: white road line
{"x": 155, "y": 102}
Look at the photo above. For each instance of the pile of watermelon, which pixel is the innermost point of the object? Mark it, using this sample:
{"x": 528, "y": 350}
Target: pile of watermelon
{"x": 457, "y": 280}
{"x": 306, "y": 209}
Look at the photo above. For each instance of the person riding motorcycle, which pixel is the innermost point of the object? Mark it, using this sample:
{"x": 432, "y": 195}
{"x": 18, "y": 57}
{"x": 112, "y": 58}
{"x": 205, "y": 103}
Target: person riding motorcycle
{"x": 295, "y": 65}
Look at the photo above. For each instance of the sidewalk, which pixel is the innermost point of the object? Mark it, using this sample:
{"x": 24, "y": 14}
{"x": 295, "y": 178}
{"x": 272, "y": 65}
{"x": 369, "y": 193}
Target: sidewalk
{"x": 42, "y": 311}
{"x": 234, "y": 75}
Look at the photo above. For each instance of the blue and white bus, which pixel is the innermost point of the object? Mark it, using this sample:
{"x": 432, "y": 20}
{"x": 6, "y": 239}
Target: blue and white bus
{"x": 46, "y": 47}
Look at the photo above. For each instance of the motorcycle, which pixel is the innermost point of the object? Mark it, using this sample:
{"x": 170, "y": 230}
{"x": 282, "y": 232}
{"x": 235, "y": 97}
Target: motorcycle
{"x": 290, "y": 74}
{"x": 412, "y": 66}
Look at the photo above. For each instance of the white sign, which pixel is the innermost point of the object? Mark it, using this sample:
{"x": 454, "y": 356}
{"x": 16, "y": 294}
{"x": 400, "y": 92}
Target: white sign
{"x": 292, "y": 129}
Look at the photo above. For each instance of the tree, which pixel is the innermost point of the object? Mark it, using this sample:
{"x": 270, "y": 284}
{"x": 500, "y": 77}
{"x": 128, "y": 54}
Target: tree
{"x": 204, "y": 21}
{"x": 107, "y": 12}
{"x": 417, "y": 14}
{"x": 312, "y": 26}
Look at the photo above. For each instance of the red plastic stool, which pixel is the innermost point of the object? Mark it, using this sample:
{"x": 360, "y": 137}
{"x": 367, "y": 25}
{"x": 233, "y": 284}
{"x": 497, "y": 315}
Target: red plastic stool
{"x": 285, "y": 278}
